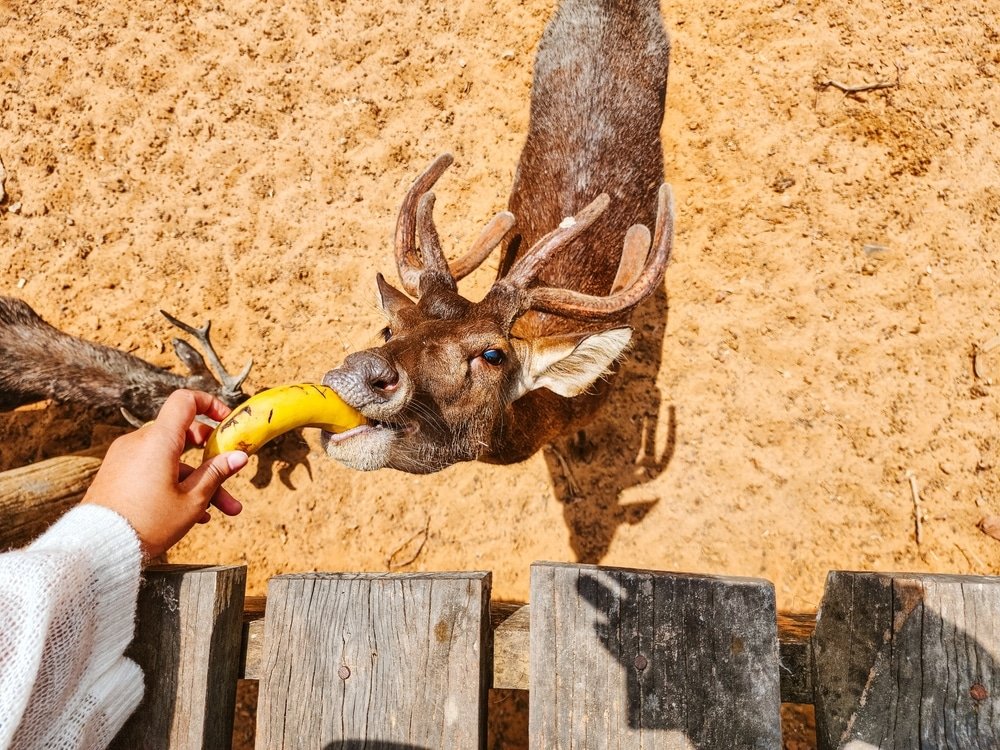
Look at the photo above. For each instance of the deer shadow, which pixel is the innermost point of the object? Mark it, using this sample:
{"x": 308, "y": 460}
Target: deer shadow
{"x": 617, "y": 450}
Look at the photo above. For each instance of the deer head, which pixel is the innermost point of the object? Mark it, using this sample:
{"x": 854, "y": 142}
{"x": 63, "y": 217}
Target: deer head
{"x": 443, "y": 386}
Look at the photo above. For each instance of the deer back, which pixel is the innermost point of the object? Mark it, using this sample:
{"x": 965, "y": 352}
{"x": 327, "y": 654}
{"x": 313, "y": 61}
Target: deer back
{"x": 598, "y": 97}
{"x": 495, "y": 380}
{"x": 38, "y": 362}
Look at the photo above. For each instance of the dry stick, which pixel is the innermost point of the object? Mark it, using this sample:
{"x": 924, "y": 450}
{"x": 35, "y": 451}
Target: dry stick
{"x": 977, "y": 565}
{"x": 861, "y": 87}
{"x": 915, "y": 492}
{"x": 425, "y": 532}
{"x": 571, "y": 483}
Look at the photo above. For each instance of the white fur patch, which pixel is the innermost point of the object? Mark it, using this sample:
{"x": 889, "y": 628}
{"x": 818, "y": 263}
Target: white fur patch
{"x": 569, "y": 367}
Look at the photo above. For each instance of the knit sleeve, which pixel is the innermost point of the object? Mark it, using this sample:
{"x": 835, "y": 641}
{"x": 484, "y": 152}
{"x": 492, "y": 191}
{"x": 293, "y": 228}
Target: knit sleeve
{"x": 67, "y": 614}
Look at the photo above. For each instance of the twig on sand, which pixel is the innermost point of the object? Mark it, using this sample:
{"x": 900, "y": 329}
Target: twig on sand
{"x": 424, "y": 532}
{"x": 977, "y": 565}
{"x": 917, "y": 520}
{"x": 858, "y": 88}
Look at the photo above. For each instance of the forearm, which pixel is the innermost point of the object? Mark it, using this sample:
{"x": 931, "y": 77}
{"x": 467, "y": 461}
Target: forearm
{"x": 67, "y": 613}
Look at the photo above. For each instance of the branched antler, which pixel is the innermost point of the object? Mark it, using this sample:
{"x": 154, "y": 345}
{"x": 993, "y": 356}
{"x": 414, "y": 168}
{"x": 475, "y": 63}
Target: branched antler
{"x": 410, "y": 265}
{"x": 231, "y": 384}
{"x": 635, "y": 286}
{"x": 638, "y": 272}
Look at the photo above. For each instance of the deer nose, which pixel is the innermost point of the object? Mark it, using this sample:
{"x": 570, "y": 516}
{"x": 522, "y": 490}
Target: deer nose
{"x": 386, "y": 380}
{"x": 364, "y": 379}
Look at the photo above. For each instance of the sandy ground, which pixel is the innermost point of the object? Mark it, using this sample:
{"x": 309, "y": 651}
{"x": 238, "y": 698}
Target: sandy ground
{"x": 835, "y": 267}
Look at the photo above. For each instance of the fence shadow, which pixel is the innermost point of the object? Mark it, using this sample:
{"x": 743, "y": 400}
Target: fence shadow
{"x": 154, "y": 717}
{"x": 617, "y": 450}
{"x": 926, "y": 681}
{"x": 696, "y": 656}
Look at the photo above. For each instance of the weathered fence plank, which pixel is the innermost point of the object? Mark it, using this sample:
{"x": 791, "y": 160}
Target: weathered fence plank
{"x": 908, "y": 661}
{"x": 512, "y": 637}
{"x": 32, "y": 497}
{"x": 375, "y": 661}
{"x": 631, "y": 658}
{"x": 188, "y": 637}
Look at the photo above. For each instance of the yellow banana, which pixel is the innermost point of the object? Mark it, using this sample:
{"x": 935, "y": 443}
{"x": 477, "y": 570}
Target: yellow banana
{"x": 275, "y": 411}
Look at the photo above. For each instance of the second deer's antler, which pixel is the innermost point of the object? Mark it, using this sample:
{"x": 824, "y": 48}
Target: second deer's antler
{"x": 231, "y": 384}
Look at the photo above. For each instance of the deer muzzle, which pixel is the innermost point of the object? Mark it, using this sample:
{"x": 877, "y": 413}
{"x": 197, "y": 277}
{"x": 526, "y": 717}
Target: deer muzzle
{"x": 371, "y": 384}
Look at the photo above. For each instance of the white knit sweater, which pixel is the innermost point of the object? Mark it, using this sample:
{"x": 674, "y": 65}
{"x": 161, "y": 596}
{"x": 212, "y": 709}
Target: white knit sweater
{"x": 67, "y": 613}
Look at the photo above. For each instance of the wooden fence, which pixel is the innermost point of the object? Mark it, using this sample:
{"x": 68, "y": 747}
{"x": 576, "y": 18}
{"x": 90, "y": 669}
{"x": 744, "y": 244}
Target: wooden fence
{"x": 611, "y": 658}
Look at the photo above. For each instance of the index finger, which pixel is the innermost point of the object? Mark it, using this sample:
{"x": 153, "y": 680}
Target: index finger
{"x": 180, "y": 409}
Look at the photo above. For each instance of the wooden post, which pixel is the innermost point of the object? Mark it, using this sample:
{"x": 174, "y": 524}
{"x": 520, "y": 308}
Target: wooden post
{"x": 630, "y": 658}
{"x": 908, "y": 661}
{"x": 512, "y": 639}
{"x": 187, "y": 642}
{"x": 377, "y": 661}
{"x": 32, "y": 497}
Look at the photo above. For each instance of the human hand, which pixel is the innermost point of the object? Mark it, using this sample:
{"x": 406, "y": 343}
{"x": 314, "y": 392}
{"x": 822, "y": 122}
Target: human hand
{"x": 143, "y": 480}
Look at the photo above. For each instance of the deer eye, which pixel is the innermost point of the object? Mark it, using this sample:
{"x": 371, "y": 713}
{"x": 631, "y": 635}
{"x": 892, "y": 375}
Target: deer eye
{"x": 386, "y": 333}
{"x": 494, "y": 357}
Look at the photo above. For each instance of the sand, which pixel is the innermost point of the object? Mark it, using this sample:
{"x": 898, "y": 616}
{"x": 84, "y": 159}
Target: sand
{"x": 834, "y": 270}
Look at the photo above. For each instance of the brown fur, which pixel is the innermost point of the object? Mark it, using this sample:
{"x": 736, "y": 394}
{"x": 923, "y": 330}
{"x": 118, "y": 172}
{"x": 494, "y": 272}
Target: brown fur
{"x": 38, "y": 362}
{"x": 596, "y": 112}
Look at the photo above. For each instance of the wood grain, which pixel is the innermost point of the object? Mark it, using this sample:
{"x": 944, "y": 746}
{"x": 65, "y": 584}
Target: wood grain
{"x": 907, "y": 661}
{"x": 32, "y": 497}
{"x": 188, "y": 636}
{"x": 367, "y": 660}
{"x": 629, "y": 659}
{"x": 512, "y": 637}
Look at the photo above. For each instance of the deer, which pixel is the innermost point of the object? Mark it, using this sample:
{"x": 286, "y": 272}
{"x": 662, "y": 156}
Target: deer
{"x": 495, "y": 380}
{"x": 39, "y": 362}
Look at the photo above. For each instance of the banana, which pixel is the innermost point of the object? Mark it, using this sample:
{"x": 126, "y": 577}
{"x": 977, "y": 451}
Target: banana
{"x": 275, "y": 411}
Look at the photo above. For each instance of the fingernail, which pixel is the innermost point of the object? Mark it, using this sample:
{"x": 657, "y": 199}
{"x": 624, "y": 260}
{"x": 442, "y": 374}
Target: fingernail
{"x": 237, "y": 460}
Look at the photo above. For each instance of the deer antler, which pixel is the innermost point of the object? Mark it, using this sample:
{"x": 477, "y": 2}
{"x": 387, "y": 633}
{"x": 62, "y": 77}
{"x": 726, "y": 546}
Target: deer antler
{"x": 530, "y": 264}
{"x": 231, "y": 384}
{"x": 491, "y": 236}
{"x": 416, "y": 220}
{"x": 630, "y": 286}
{"x": 430, "y": 246}
{"x": 415, "y": 210}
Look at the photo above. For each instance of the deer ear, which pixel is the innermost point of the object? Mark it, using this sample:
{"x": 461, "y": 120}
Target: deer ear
{"x": 191, "y": 357}
{"x": 391, "y": 299}
{"x": 569, "y": 365}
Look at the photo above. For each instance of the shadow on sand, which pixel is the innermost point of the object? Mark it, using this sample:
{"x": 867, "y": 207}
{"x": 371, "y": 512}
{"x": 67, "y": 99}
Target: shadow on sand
{"x": 617, "y": 450}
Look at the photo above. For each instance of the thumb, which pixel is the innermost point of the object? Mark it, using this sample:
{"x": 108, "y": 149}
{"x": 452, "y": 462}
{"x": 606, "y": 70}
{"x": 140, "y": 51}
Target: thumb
{"x": 207, "y": 478}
